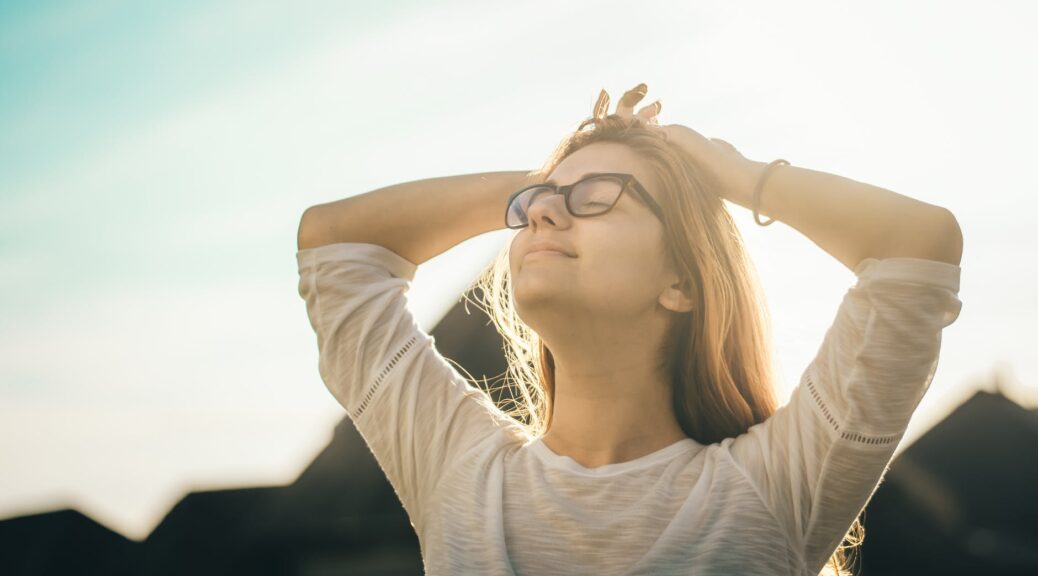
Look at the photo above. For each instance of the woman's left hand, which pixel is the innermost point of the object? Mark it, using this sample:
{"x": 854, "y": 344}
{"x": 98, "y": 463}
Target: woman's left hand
{"x": 726, "y": 170}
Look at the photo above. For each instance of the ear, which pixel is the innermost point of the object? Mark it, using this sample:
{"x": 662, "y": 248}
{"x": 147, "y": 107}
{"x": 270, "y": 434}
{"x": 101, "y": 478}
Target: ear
{"x": 676, "y": 297}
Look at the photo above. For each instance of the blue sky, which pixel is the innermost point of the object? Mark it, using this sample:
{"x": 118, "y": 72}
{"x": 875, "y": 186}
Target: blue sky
{"x": 155, "y": 160}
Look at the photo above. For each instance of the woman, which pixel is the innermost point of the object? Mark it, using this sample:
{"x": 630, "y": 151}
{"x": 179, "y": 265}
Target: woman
{"x": 646, "y": 438}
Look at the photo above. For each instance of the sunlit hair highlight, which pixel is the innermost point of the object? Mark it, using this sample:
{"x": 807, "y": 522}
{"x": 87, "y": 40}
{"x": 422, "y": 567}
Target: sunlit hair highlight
{"x": 719, "y": 354}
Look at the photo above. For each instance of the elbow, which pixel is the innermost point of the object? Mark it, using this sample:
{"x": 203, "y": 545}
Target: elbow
{"x": 933, "y": 234}
{"x": 305, "y": 235}
{"x": 949, "y": 240}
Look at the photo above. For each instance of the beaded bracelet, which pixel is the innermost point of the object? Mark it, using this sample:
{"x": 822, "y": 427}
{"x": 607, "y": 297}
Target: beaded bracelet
{"x": 760, "y": 186}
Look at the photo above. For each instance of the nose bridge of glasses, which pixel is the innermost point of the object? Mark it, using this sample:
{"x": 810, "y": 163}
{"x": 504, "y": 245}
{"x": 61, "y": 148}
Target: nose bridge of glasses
{"x": 550, "y": 192}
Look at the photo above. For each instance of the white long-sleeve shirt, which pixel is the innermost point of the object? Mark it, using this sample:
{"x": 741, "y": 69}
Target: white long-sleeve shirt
{"x": 485, "y": 498}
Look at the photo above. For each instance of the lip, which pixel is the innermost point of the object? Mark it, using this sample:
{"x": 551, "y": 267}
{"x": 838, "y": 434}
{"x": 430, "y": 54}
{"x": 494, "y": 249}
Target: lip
{"x": 546, "y": 252}
{"x": 548, "y": 247}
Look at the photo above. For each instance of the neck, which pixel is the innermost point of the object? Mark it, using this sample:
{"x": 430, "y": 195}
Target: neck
{"x": 610, "y": 415}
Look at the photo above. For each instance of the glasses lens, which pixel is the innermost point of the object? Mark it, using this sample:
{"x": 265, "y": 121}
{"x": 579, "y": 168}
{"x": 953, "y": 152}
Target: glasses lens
{"x": 517, "y": 210}
{"x": 595, "y": 195}
{"x": 590, "y": 197}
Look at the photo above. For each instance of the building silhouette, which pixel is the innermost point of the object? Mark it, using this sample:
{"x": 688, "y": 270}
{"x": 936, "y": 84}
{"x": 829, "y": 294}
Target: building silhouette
{"x": 959, "y": 500}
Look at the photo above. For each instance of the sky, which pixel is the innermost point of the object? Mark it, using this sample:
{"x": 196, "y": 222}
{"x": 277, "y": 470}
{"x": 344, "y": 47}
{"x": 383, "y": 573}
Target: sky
{"x": 155, "y": 159}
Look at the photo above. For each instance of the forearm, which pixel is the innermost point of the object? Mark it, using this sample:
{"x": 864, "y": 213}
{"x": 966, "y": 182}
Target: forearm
{"x": 852, "y": 221}
{"x": 419, "y": 219}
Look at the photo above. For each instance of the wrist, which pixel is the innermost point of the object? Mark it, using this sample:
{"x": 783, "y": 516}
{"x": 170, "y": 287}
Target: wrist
{"x": 749, "y": 174}
{"x": 762, "y": 202}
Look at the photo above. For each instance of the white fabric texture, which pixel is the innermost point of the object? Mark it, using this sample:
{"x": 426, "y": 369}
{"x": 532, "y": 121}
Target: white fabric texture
{"x": 485, "y": 498}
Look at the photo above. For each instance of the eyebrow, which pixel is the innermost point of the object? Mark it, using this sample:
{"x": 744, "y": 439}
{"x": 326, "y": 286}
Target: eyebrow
{"x": 589, "y": 174}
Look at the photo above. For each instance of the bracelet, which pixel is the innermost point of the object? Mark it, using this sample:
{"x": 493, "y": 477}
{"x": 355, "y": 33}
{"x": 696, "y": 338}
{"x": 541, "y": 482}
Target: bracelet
{"x": 760, "y": 186}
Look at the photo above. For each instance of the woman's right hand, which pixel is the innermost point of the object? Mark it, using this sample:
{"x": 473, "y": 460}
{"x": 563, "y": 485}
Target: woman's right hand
{"x": 625, "y": 108}
{"x": 731, "y": 175}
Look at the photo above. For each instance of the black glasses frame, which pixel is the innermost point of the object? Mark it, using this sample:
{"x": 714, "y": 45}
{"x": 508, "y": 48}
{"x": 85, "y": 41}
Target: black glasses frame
{"x": 625, "y": 179}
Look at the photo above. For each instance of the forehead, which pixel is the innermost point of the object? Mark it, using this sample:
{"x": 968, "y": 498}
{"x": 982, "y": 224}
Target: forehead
{"x": 602, "y": 157}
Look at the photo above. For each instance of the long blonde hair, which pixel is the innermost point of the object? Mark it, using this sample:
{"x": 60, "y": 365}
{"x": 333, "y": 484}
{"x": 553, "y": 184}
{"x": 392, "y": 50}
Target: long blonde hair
{"x": 719, "y": 354}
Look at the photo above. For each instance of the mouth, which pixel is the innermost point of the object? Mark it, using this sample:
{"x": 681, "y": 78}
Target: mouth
{"x": 545, "y": 253}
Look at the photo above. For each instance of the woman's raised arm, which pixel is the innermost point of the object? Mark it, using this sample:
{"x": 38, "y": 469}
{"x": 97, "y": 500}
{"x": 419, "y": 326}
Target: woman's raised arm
{"x": 419, "y": 219}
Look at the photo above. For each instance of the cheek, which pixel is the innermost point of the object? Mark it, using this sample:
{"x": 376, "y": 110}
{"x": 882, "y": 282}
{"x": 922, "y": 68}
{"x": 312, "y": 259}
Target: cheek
{"x": 513, "y": 263}
{"x": 629, "y": 254}
{"x": 511, "y": 257}
{"x": 631, "y": 268}
{"x": 513, "y": 252}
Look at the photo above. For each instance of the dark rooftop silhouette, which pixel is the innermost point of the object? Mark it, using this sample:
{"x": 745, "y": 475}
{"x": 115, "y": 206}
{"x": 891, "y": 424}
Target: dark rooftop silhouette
{"x": 960, "y": 500}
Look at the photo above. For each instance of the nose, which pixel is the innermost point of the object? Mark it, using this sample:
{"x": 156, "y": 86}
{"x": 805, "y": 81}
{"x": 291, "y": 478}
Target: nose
{"x": 548, "y": 209}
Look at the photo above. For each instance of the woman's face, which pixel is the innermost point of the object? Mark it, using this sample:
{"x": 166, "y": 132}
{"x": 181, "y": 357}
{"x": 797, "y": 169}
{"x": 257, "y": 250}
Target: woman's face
{"x": 617, "y": 271}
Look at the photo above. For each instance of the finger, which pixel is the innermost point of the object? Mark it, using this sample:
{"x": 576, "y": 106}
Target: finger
{"x": 626, "y": 105}
{"x": 648, "y": 113}
{"x": 602, "y": 105}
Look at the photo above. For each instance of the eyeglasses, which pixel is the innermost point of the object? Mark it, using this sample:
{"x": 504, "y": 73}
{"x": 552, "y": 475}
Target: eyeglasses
{"x": 593, "y": 195}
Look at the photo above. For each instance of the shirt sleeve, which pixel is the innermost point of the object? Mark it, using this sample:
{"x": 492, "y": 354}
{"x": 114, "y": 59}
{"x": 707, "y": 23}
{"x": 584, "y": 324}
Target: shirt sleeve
{"x": 417, "y": 414}
{"x": 817, "y": 461}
